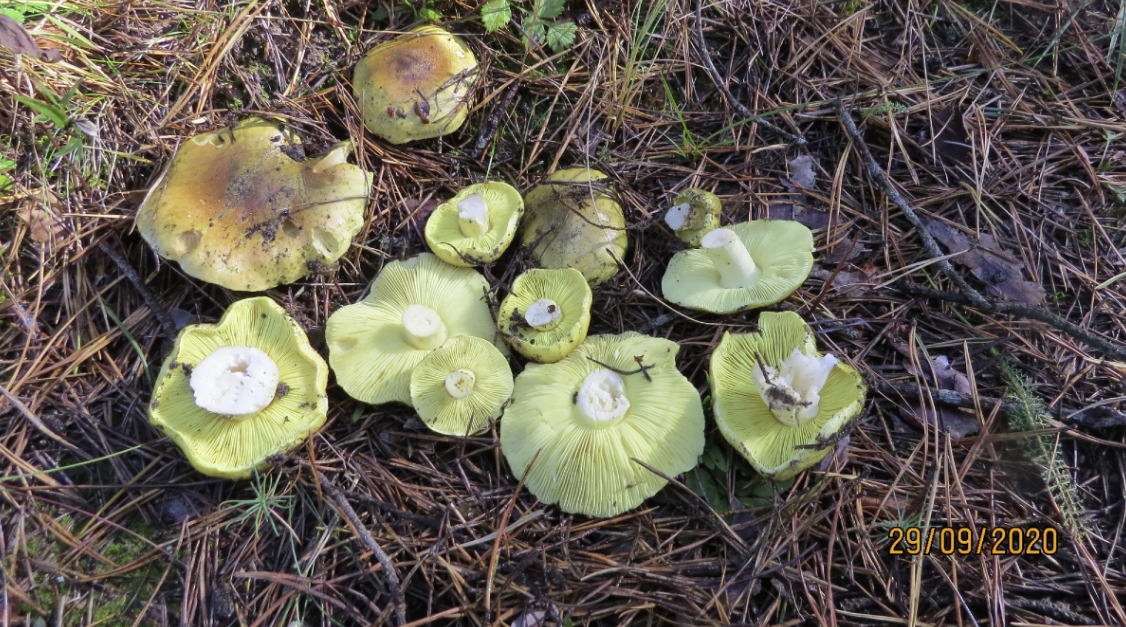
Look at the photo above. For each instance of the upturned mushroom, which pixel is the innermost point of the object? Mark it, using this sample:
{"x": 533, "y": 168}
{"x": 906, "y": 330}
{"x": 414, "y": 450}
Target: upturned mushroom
{"x": 547, "y": 313}
{"x": 575, "y": 427}
{"x": 234, "y": 393}
{"x": 572, "y": 221}
{"x": 777, "y": 400}
{"x": 243, "y": 208}
{"x": 415, "y": 86}
{"x": 413, "y": 307}
{"x": 460, "y": 387}
{"x": 476, "y": 226}
{"x": 742, "y": 266}
{"x": 695, "y": 212}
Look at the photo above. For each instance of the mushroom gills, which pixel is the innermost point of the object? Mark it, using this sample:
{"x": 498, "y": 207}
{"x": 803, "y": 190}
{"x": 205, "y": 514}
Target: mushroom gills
{"x": 235, "y": 381}
{"x": 792, "y": 391}
{"x": 731, "y": 259}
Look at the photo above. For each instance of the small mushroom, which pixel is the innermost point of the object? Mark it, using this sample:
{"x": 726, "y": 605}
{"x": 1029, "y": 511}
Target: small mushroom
{"x": 773, "y": 393}
{"x": 461, "y": 386}
{"x": 232, "y": 394}
{"x": 235, "y": 207}
{"x": 547, "y": 314}
{"x": 476, "y": 226}
{"x": 694, "y": 213}
{"x": 743, "y": 266}
{"x": 572, "y": 222}
{"x": 415, "y": 86}
{"x": 413, "y": 307}
{"x": 574, "y": 427}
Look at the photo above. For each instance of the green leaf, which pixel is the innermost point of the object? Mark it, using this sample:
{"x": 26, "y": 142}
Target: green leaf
{"x": 380, "y": 14}
{"x": 4, "y": 183}
{"x": 429, "y": 14}
{"x": 560, "y": 35}
{"x": 701, "y": 482}
{"x": 495, "y": 14}
{"x": 53, "y": 114}
{"x": 533, "y": 28}
{"x": 73, "y": 145}
{"x": 551, "y": 8}
{"x": 7, "y": 164}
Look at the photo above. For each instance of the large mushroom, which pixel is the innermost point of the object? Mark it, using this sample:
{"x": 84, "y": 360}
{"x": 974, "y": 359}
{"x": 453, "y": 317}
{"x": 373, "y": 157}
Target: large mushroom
{"x": 777, "y": 400}
{"x": 415, "y": 86}
{"x": 243, "y": 208}
{"x": 742, "y": 266}
{"x": 413, "y": 307}
{"x": 460, "y": 387}
{"x": 234, "y": 393}
{"x": 572, "y": 221}
{"x": 575, "y": 427}
{"x": 547, "y": 314}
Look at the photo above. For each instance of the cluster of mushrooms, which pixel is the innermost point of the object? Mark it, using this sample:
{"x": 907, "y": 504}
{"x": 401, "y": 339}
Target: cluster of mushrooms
{"x": 595, "y": 424}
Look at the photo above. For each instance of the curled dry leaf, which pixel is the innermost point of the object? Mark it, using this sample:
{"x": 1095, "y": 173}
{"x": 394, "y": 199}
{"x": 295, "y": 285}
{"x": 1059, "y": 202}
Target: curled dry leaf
{"x": 803, "y": 172}
{"x": 998, "y": 269}
{"x": 15, "y": 38}
{"x": 40, "y": 210}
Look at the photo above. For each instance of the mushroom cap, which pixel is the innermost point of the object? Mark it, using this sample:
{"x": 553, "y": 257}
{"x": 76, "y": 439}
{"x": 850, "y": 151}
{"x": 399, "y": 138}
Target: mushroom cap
{"x": 587, "y": 467}
{"x": 568, "y": 289}
{"x": 574, "y": 223}
{"x": 706, "y": 206}
{"x": 372, "y": 361}
{"x": 235, "y": 209}
{"x": 217, "y": 445}
{"x": 490, "y": 387}
{"x": 746, "y": 420}
{"x": 416, "y": 85}
{"x": 443, "y": 230}
{"x": 782, "y": 250}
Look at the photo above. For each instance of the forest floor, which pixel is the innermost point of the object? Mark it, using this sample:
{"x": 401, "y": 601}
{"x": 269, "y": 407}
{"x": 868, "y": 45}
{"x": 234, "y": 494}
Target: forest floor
{"x": 994, "y": 353}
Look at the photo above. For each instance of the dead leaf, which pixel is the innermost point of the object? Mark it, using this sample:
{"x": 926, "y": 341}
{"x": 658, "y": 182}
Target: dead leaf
{"x": 845, "y": 249}
{"x": 15, "y": 37}
{"x": 846, "y": 283}
{"x": 951, "y": 140}
{"x": 812, "y": 218}
{"x": 40, "y": 210}
{"x": 957, "y": 422}
{"x": 535, "y": 618}
{"x": 997, "y": 268}
{"x": 803, "y": 172}
{"x": 948, "y": 377}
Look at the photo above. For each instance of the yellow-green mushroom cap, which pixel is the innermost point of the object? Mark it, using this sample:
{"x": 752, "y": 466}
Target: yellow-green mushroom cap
{"x": 476, "y": 226}
{"x": 572, "y": 222}
{"x": 415, "y": 86}
{"x": 588, "y": 423}
{"x": 255, "y": 350}
{"x": 741, "y": 266}
{"x": 461, "y": 386}
{"x": 693, "y": 214}
{"x": 413, "y": 307}
{"x": 773, "y": 392}
{"x": 547, "y": 314}
{"x": 242, "y": 208}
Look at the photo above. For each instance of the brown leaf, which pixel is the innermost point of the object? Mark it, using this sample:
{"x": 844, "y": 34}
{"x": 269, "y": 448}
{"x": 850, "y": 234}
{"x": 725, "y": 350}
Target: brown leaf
{"x": 15, "y": 37}
{"x": 951, "y": 141}
{"x": 846, "y": 283}
{"x": 803, "y": 172}
{"x": 997, "y": 268}
{"x": 812, "y": 218}
{"x": 42, "y": 218}
{"x": 958, "y": 423}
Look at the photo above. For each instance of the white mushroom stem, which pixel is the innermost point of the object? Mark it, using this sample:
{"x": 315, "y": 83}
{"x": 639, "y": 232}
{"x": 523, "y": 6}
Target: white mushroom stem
{"x": 423, "y": 328}
{"x": 473, "y": 215}
{"x": 677, "y": 216}
{"x": 459, "y": 383}
{"x": 792, "y": 391}
{"x": 235, "y": 381}
{"x": 731, "y": 259}
{"x": 543, "y": 315}
{"x": 602, "y": 397}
